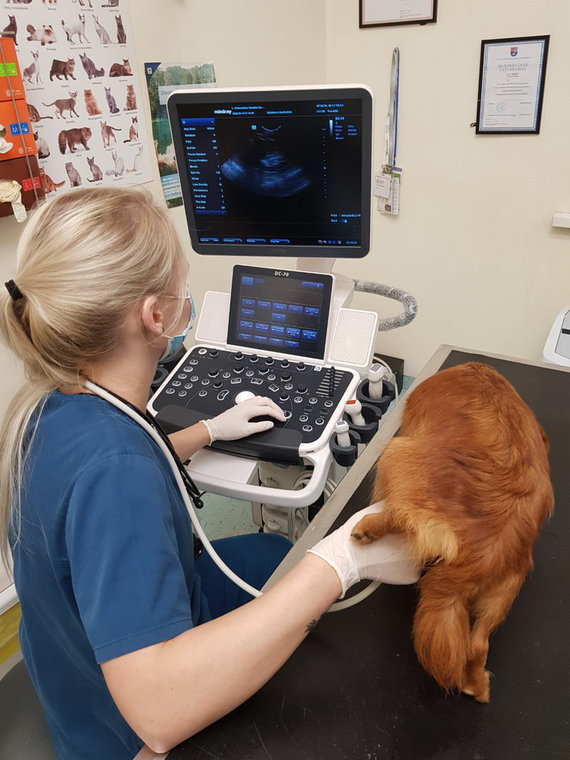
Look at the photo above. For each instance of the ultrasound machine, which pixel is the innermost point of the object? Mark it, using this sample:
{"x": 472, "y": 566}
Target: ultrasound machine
{"x": 280, "y": 172}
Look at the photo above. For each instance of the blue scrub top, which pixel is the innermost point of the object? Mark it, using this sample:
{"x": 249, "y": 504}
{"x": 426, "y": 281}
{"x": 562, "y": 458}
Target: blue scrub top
{"x": 103, "y": 566}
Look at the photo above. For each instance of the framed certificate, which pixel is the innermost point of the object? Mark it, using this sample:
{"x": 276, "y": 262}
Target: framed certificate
{"x": 511, "y": 85}
{"x": 389, "y": 12}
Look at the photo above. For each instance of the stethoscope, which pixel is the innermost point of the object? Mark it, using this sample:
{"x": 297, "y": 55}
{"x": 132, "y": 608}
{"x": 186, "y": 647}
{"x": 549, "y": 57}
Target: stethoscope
{"x": 191, "y": 495}
{"x": 188, "y": 489}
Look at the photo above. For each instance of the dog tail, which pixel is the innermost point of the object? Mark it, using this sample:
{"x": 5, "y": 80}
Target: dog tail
{"x": 442, "y": 634}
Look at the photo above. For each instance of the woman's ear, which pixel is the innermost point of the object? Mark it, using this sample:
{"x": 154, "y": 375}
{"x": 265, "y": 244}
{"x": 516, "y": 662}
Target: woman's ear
{"x": 152, "y": 316}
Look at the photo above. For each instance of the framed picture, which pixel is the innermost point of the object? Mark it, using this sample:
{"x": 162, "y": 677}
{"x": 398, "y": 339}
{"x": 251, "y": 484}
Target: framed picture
{"x": 511, "y": 85}
{"x": 389, "y": 12}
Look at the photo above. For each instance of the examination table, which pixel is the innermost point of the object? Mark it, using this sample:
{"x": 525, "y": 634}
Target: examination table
{"x": 354, "y": 688}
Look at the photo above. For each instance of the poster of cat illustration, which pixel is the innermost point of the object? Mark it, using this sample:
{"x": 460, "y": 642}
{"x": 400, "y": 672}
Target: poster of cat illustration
{"x": 161, "y": 80}
{"x": 82, "y": 89}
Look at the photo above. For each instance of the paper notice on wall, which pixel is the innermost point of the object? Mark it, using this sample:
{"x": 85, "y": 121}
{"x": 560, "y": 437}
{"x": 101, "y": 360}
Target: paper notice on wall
{"x": 162, "y": 79}
{"x": 389, "y": 193}
{"x": 83, "y": 92}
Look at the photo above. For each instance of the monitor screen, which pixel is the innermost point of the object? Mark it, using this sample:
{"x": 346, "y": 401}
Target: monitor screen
{"x": 282, "y": 311}
{"x": 280, "y": 172}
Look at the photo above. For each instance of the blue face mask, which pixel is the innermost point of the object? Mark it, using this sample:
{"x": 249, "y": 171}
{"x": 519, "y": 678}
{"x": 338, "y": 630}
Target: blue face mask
{"x": 175, "y": 341}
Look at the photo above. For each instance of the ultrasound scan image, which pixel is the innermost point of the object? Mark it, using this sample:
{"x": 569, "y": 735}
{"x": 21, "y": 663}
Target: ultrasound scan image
{"x": 264, "y": 168}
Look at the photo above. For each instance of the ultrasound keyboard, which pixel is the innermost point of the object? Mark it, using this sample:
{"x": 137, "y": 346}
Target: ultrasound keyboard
{"x": 210, "y": 380}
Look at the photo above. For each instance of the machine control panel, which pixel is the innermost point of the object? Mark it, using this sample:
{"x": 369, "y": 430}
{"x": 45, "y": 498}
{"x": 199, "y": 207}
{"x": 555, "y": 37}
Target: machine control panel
{"x": 210, "y": 380}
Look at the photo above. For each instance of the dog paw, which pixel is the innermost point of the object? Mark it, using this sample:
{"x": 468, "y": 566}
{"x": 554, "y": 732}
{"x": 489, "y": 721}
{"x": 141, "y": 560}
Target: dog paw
{"x": 366, "y": 531}
{"x": 478, "y": 688}
{"x": 361, "y": 536}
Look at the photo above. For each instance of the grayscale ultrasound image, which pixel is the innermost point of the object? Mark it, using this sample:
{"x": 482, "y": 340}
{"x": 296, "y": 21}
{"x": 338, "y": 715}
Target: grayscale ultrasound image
{"x": 264, "y": 168}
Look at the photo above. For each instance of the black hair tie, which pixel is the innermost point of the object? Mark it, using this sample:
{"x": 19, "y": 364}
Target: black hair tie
{"x": 14, "y": 290}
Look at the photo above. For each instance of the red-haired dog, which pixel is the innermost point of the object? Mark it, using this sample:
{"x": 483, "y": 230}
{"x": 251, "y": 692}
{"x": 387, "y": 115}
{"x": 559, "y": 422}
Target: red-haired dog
{"x": 467, "y": 480}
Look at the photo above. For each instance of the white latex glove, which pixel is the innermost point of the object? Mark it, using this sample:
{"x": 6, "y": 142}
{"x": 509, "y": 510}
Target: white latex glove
{"x": 236, "y": 422}
{"x": 387, "y": 560}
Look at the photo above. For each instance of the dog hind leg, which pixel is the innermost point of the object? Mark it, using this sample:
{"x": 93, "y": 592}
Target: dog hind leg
{"x": 489, "y": 610}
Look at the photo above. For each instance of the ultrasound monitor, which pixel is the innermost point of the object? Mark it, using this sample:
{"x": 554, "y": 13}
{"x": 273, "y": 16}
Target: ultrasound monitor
{"x": 277, "y": 171}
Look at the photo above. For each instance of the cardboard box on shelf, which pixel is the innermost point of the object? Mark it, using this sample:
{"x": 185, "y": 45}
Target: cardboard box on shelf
{"x": 11, "y": 85}
{"x": 16, "y": 131}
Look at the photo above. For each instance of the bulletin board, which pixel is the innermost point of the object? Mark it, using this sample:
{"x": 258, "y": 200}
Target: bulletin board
{"x": 82, "y": 89}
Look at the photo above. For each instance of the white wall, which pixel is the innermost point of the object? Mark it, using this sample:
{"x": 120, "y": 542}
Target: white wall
{"x": 473, "y": 242}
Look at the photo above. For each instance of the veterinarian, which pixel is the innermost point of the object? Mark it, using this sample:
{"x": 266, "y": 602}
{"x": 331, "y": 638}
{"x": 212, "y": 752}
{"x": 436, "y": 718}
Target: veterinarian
{"x": 128, "y": 637}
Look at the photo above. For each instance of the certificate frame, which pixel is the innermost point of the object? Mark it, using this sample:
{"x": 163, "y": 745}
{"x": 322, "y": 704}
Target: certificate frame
{"x": 370, "y": 14}
{"x": 512, "y": 74}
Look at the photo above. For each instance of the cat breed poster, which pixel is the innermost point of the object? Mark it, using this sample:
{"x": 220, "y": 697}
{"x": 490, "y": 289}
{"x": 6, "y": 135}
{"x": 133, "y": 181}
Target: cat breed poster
{"x": 82, "y": 89}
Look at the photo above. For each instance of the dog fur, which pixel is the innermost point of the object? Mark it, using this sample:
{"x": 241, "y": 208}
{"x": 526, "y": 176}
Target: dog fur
{"x": 468, "y": 481}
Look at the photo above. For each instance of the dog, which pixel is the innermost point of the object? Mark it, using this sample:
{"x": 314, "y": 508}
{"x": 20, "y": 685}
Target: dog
{"x": 467, "y": 480}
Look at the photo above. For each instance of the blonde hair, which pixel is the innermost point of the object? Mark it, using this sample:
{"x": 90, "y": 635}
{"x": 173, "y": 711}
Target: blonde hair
{"x": 85, "y": 259}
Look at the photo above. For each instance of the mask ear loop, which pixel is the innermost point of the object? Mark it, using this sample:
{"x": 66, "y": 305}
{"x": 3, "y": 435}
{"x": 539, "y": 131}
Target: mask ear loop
{"x": 191, "y": 319}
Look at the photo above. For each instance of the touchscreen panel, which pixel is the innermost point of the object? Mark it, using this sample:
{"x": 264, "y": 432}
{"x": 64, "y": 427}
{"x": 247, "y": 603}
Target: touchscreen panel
{"x": 280, "y": 311}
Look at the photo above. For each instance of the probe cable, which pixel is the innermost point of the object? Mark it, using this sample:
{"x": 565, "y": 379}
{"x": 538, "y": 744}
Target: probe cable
{"x": 190, "y": 492}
